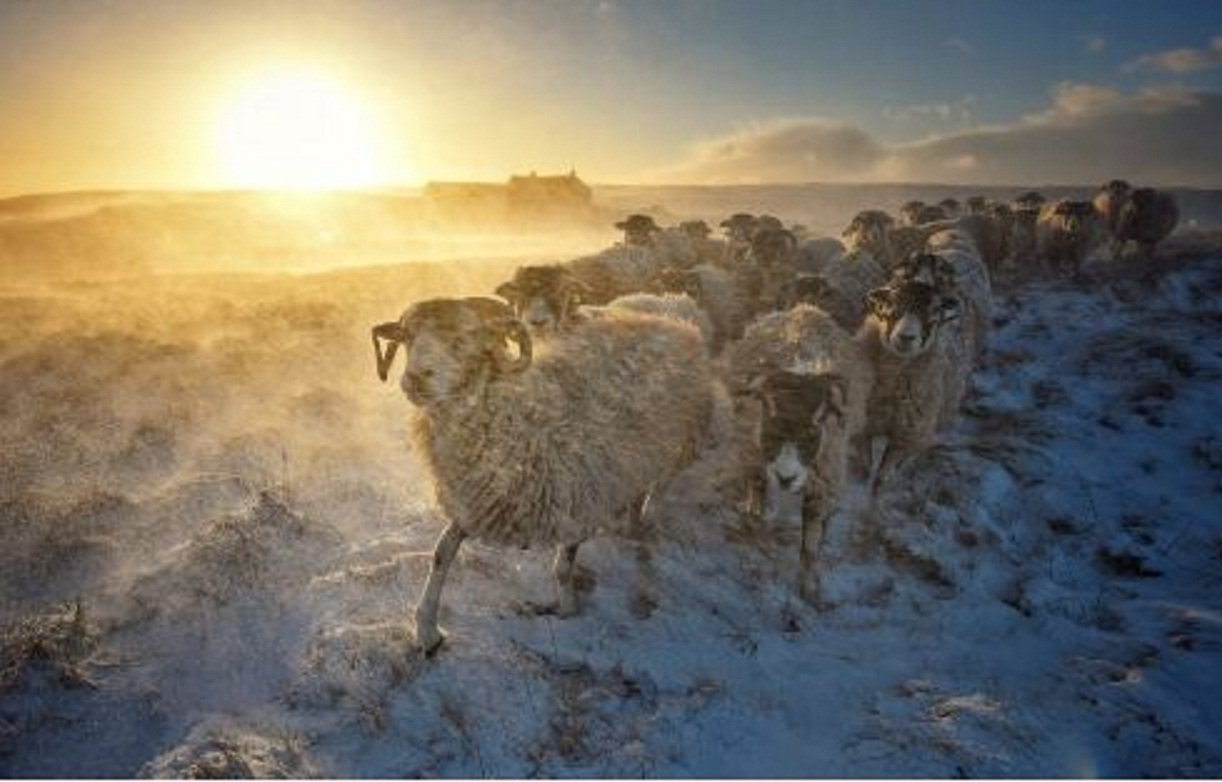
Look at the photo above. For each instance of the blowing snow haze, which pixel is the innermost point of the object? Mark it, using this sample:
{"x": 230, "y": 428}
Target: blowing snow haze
{"x": 937, "y": 495}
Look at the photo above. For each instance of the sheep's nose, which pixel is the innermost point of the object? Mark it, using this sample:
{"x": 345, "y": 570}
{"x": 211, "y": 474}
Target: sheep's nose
{"x": 786, "y": 481}
{"x": 905, "y": 340}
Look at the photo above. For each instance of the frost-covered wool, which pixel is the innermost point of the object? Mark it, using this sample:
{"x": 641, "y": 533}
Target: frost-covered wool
{"x": 677, "y": 306}
{"x": 803, "y": 341}
{"x": 914, "y": 395}
{"x": 1109, "y": 200}
{"x": 615, "y": 271}
{"x": 563, "y": 450}
{"x": 971, "y": 280}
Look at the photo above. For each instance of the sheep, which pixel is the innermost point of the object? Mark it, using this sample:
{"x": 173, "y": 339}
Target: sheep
{"x": 638, "y": 229}
{"x": 839, "y": 288}
{"x": 910, "y": 212}
{"x": 1108, "y": 201}
{"x": 1022, "y": 242}
{"x": 809, "y": 382}
{"x": 615, "y": 271}
{"x": 921, "y": 366}
{"x": 1029, "y": 201}
{"x": 706, "y": 249}
{"x": 738, "y": 228}
{"x": 545, "y": 451}
{"x": 977, "y": 205}
{"x": 1147, "y": 218}
{"x": 868, "y": 230}
{"x": 717, "y": 293}
{"x": 544, "y": 297}
{"x": 952, "y": 207}
{"x": 951, "y": 265}
{"x": 987, "y": 233}
{"x": 1066, "y": 232}
{"x": 677, "y": 306}
{"x": 670, "y": 246}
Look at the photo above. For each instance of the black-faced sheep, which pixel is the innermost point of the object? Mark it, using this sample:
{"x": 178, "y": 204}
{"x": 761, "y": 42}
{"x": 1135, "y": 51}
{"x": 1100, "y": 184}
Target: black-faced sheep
{"x": 804, "y": 384}
{"x": 549, "y": 450}
{"x": 545, "y": 298}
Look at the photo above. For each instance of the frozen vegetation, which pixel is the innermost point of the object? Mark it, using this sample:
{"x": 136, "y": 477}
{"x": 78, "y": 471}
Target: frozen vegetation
{"x": 214, "y": 531}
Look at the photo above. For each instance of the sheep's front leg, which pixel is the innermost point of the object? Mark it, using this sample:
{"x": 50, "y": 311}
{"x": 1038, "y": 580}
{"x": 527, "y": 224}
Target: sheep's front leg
{"x": 815, "y": 514}
{"x": 562, "y": 568}
{"x": 428, "y": 636}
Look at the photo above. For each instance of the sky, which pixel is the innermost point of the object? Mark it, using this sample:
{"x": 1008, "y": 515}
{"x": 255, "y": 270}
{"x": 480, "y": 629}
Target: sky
{"x": 222, "y": 94}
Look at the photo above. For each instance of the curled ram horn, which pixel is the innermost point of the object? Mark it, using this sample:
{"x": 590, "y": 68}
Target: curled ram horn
{"x": 393, "y": 333}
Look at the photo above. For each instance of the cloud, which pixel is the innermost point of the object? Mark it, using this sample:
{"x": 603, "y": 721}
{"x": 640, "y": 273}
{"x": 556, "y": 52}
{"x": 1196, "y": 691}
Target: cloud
{"x": 1087, "y": 134}
{"x": 960, "y": 45}
{"x": 1185, "y": 60}
{"x": 961, "y": 110}
{"x": 1094, "y": 43}
{"x": 784, "y": 150}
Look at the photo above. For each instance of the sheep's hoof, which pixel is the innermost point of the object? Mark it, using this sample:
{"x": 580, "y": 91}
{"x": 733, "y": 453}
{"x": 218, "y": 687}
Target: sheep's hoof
{"x": 429, "y": 641}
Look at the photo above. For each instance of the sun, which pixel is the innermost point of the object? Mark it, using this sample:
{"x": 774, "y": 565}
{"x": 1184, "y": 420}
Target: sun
{"x": 299, "y": 129}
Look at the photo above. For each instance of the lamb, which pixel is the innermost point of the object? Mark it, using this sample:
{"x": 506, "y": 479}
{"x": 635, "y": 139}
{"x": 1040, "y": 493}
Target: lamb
{"x": 810, "y": 383}
{"x": 545, "y": 451}
{"x": 1066, "y": 232}
{"x": 1147, "y": 218}
{"x": 921, "y": 363}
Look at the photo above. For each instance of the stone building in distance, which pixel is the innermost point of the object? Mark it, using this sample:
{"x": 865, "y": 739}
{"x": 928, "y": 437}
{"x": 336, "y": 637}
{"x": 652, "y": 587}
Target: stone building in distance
{"x": 518, "y": 204}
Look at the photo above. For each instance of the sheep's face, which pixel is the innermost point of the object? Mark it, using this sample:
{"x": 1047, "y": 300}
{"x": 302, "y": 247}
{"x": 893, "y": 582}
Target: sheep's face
{"x": 543, "y": 297}
{"x": 977, "y": 205}
{"x": 1117, "y": 189}
{"x": 910, "y": 315}
{"x": 695, "y": 230}
{"x": 867, "y": 229}
{"x": 450, "y": 342}
{"x": 796, "y": 410}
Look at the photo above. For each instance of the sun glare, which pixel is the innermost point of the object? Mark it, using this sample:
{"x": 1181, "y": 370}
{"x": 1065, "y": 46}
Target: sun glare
{"x": 299, "y": 130}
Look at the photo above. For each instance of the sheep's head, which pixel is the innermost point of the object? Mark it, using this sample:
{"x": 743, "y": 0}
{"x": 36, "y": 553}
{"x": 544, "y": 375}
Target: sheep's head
{"x": 929, "y": 268}
{"x": 773, "y": 247}
{"x": 867, "y": 229}
{"x": 796, "y": 408}
{"x": 1118, "y": 189}
{"x": 1073, "y": 217}
{"x": 739, "y": 226}
{"x": 638, "y": 230}
{"x": 768, "y": 223}
{"x": 1030, "y": 201}
{"x": 695, "y": 229}
{"x": 449, "y": 343}
{"x": 951, "y": 206}
{"x": 803, "y": 289}
{"x": 543, "y": 297}
{"x": 910, "y": 315}
{"x": 1140, "y": 202}
{"x": 680, "y": 281}
{"x": 910, "y": 212}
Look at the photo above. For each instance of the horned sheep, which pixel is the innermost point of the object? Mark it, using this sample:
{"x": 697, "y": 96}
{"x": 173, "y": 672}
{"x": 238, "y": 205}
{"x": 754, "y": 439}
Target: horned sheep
{"x": 546, "y": 450}
{"x": 1066, "y": 232}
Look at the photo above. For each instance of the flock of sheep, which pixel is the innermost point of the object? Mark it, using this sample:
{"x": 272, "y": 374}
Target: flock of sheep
{"x": 553, "y": 413}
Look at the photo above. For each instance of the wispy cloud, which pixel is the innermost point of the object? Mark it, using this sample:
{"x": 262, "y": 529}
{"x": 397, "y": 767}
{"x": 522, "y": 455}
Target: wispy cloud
{"x": 962, "y": 110}
{"x": 1094, "y": 43}
{"x": 1087, "y": 133}
{"x": 960, "y": 45}
{"x": 1183, "y": 60}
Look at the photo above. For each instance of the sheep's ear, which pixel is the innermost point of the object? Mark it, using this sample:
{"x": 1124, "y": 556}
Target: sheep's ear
{"x": 510, "y": 330}
{"x": 508, "y": 291}
{"x": 622, "y": 225}
{"x": 949, "y": 309}
{"x": 878, "y": 301}
{"x": 393, "y": 333}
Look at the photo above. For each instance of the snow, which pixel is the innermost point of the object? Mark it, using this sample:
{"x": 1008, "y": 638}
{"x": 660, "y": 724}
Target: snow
{"x": 1038, "y": 597}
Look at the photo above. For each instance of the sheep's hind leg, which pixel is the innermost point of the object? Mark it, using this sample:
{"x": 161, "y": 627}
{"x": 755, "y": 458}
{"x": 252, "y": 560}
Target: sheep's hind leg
{"x": 566, "y": 587}
{"x": 428, "y": 636}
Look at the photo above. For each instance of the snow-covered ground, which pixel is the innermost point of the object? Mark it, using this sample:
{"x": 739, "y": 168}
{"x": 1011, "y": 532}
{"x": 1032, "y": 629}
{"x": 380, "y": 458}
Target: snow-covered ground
{"x": 214, "y": 533}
